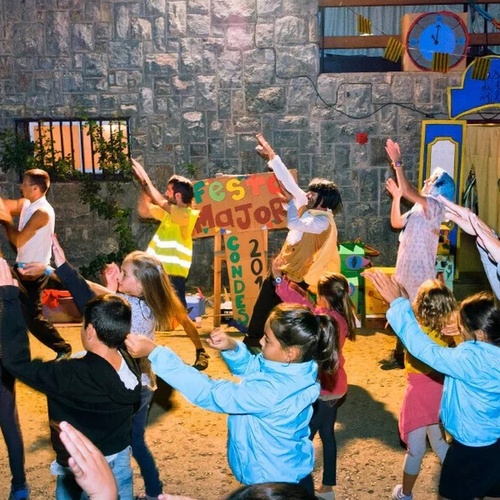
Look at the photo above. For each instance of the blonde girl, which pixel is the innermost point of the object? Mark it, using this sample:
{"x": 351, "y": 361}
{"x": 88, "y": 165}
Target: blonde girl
{"x": 143, "y": 281}
{"x": 434, "y": 307}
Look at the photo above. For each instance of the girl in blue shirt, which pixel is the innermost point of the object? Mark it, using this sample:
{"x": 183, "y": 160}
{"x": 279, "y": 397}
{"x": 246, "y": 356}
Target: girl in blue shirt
{"x": 470, "y": 407}
{"x": 270, "y": 408}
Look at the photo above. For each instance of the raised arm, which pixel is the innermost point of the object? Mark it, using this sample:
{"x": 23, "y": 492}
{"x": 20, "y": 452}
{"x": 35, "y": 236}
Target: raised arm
{"x": 150, "y": 191}
{"x": 457, "y": 214}
{"x": 397, "y": 221}
{"x": 408, "y": 190}
{"x": 80, "y": 290}
{"x": 282, "y": 173}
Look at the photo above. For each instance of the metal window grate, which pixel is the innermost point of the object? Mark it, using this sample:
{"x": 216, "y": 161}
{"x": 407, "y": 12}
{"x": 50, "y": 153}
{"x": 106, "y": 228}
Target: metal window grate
{"x": 72, "y": 140}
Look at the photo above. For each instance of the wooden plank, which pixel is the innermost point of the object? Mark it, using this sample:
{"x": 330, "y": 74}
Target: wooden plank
{"x": 219, "y": 256}
{"x": 389, "y": 3}
{"x": 381, "y": 41}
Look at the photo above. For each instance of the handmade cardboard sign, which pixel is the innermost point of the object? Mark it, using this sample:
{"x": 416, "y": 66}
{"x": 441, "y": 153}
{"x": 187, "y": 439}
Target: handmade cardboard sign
{"x": 246, "y": 260}
{"x": 238, "y": 203}
{"x": 241, "y": 209}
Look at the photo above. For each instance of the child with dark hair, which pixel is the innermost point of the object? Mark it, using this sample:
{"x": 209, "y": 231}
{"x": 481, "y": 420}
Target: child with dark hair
{"x": 470, "y": 406}
{"x": 96, "y": 393}
{"x": 310, "y": 248}
{"x": 333, "y": 299}
{"x": 271, "y": 491}
{"x": 270, "y": 408}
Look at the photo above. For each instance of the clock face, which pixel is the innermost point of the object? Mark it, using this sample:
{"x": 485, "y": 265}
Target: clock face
{"x": 437, "y": 32}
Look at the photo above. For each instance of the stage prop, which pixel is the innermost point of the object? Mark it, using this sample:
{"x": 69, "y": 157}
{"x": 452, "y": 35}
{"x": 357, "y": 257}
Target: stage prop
{"x": 238, "y": 211}
{"x": 443, "y": 146}
{"x": 475, "y": 95}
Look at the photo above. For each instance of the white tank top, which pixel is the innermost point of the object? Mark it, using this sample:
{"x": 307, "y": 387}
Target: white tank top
{"x": 39, "y": 247}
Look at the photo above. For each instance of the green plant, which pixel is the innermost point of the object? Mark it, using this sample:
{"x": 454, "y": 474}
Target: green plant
{"x": 191, "y": 169}
{"x": 104, "y": 195}
{"x": 19, "y": 154}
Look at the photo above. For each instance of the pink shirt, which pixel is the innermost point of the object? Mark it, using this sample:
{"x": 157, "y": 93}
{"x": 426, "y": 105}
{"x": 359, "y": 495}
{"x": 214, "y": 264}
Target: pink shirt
{"x": 331, "y": 385}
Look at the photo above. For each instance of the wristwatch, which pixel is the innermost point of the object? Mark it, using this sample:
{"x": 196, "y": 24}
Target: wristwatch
{"x": 277, "y": 280}
{"x": 398, "y": 163}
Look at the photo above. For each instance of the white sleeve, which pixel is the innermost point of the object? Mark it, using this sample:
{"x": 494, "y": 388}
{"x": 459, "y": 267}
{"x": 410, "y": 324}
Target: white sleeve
{"x": 286, "y": 178}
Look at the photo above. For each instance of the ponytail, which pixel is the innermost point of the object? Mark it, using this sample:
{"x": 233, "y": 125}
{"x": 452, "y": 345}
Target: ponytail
{"x": 334, "y": 288}
{"x": 316, "y": 336}
{"x": 328, "y": 347}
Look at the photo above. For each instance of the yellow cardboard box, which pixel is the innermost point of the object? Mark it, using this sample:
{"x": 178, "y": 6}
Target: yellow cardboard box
{"x": 375, "y": 305}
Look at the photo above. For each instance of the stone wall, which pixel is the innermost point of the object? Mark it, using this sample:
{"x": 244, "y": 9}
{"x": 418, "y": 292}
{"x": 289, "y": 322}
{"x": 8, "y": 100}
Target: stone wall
{"x": 199, "y": 78}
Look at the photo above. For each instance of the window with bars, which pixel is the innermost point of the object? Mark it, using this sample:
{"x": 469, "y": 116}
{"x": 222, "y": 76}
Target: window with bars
{"x": 82, "y": 145}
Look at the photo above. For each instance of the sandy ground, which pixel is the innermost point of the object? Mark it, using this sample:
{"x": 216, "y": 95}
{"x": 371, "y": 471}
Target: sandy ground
{"x": 190, "y": 444}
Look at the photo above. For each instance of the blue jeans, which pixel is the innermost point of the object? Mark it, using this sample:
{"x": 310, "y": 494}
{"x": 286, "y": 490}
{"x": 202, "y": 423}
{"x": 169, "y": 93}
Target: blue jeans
{"x": 140, "y": 450}
{"x": 179, "y": 284}
{"x": 9, "y": 423}
{"x": 323, "y": 419}
{"x": 68, "y": 489}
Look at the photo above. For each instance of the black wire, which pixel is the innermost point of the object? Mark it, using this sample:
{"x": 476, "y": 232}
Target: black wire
{"x": 332, "y": 105}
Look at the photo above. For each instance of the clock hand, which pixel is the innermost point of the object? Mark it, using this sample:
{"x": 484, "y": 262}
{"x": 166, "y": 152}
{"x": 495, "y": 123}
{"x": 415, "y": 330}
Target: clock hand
{"x": 436, "y": 36}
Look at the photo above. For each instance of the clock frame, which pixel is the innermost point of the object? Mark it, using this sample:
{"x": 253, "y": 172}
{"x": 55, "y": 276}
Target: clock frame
{"x": 429, "y": 32}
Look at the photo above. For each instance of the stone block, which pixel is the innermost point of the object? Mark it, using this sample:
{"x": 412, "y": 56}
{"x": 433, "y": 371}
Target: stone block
{"x": 230, "y": 71}
{"x": 159, "y": 40}
{"x": 265, "y": 8}
{"x": 206, "y": 92}
{"x": 155, "y": 7}
{"x": 199, "y": 6}
{"x": 193, "y": 126}
{"x": 198, "y": 25}
{"x": 294, "y": 61}
{"x": 127, "y": 54}
{"x": 291, "y": 30}
{"x": 265, "y": 100}
{"x": 302, "y": 7}
{"x": 240, "y": 37}
{"x": 233, "y": 11}
{"x": 162, "y": 64}
{"x": 82, "y": 37}
{"x": 264, "y": 34}
{"x": 177, "y": 18}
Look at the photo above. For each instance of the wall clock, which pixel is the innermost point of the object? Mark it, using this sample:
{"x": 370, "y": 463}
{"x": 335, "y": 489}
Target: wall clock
{"x": 435, "y": 32}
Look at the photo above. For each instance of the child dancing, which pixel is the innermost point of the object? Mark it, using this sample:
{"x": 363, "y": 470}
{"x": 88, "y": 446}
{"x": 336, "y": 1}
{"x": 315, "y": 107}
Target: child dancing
{"x": 143, "y": 282}
{"x": 270, "y": 409}
{"x": 332, "y": 299}
{"x": 470, "y": 407}
{"x": 434, "y": 307}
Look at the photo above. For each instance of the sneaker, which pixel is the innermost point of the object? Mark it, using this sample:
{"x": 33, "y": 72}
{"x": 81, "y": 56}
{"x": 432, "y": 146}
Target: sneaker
{"x": 328, "y": 495}
{"x": 397, "y": 493}
{"x": 20, "y": 494}
{"x": 390, "y": 364}
{"x": 202, "y": 358}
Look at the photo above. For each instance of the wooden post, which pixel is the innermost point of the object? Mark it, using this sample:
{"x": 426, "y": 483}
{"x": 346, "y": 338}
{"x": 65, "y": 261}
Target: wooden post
{"x": 219, "y": 256}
